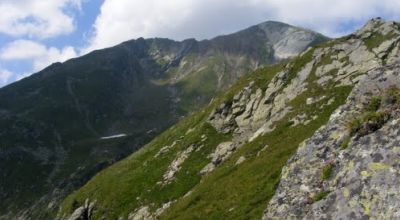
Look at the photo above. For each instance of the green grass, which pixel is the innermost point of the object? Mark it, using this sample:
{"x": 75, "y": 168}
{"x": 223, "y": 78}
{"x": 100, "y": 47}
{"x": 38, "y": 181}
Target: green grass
{"x": 374, "y": 104}
{"x": 377, "y": 39}
{"x": 345, "y": 143}
{"x": 117, "y": 187}
{"x": 245, "y": 189}
{"x": 391, "y": 96}
{"x": 369, "y": 122}
{"x": 141, "y": 170}
{"x": 327, "y": 171}
{"x": 321, "y": 195}
{"x": 376, "y": 113}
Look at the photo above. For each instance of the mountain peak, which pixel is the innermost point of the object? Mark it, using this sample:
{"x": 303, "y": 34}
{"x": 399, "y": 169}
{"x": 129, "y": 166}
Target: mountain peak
{"x": 378, "y": 25}
{"x": 288, "y": 40}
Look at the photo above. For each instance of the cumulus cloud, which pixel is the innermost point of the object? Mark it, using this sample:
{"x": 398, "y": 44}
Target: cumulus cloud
{"x": 40, "y": 55}
{"x": 36, "y": 18}
{"x": 121, "y": 20}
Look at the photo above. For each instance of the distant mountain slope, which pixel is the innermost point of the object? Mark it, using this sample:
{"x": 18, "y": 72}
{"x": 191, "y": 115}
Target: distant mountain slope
{"x": 228, "y": 160}
{"x": 55, "y": 121}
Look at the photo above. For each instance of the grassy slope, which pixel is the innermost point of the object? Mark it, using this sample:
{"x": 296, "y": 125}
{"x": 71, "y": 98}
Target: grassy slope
{"x": 242, "y": 192}
{"x": 119, "y": 183}
{"x": 230, "y": 191}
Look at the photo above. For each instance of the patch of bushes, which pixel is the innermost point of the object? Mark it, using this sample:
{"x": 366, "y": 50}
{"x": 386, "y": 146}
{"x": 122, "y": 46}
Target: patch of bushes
{"x": 321, "y": 195}
{"x": 374, "y": 104}
{"x": 345, "y": 143}
{"x": 392, "y": 96}
{"x": 377, "y": 39}
{"x": 354, "y": 126}
{"x": 373, "y": 118}
{"x": 327, "y": 171}
{"x": 369, "y": 122}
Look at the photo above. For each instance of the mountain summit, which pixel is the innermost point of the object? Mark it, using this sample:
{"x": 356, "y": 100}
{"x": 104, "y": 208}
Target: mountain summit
{"x": 315, "y": 137}
{"x": 67, "y": 122}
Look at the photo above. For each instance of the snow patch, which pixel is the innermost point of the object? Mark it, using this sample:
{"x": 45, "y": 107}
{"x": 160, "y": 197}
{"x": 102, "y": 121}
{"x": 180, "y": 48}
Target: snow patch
{"x": 113, "y": 136}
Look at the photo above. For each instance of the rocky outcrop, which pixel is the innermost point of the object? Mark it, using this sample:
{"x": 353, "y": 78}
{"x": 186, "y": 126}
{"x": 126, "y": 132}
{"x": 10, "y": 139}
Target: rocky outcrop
{"x": 83, "y": 212}
{"x": 344, "y": 63}
{"x": 363, "y": 177}
{"x": 221, "y": 153}
{"x": 337, "y": 174}
{"x": 248, "y": 110}
{"x": 142, "y": 213}
{"x": 175, "y": 166}
{"x": 367, "y": 59}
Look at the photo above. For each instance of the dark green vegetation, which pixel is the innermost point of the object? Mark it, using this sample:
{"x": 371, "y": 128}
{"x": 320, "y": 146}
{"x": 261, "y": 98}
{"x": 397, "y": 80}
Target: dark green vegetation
{"x": 369, "y": 122}
{"x": 345, "y": 143}
{"x": 321, "y": 195}
{"x": 53, "y": 121}
{"x": 229, "y": 192}
{"x": 377, "y": 112}
{"x": 377, "y": 39}
{"x": 374, "y": 104}
{"x": 327, "y": 171}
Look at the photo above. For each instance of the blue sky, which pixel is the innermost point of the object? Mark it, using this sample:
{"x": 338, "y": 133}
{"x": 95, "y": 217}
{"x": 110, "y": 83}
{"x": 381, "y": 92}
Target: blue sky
{"x": 36, "y": 33}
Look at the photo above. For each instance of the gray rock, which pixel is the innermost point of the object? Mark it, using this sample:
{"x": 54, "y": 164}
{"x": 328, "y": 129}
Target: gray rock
{"x": 365, "y": 175}
{"x": 175, "y": 166}
{"x": 83, "y": 212}
{"x": 240, "y": 160}
{"x": 142, "y": 213}
{"x": 221, "y": 153}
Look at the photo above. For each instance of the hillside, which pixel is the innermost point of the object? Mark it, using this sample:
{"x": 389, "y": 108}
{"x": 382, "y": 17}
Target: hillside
{"x": 67, "y": 122}
{"x": 281, "y": 143}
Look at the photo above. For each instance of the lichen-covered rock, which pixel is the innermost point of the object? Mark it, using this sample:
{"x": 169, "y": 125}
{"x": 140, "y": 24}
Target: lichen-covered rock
{"x": 363, "y": 178}
{"x": 221, "y": 153}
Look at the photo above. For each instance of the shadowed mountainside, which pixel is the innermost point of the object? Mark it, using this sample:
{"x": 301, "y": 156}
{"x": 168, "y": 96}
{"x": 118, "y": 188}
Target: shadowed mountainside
{"x": 59, "y": 125}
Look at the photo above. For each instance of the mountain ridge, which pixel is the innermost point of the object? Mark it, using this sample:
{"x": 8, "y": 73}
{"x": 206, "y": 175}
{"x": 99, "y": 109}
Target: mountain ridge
{"x": 237, "y": 158}
{"x": 56, "y": 118}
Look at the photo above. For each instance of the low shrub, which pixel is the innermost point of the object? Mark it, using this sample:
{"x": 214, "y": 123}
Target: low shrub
{"x": 369, "y": 122}
{"x": 345, "y": 143}
{"x": 354, "y": 126}
{"x": 392, "y": 96}
{"x": 321, "y": 195}
{"x": 374, "y": 104}
{"x": 327, "y": 171}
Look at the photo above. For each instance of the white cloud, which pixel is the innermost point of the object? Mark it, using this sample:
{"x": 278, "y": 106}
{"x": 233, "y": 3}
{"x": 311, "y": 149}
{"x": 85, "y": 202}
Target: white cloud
{"x": 22, "y": 49}
{"x": 121, "y": 20}
{"x": 37, "y": 18}
{"x": 5, "y": 76}
{"x": 40, "y": 55}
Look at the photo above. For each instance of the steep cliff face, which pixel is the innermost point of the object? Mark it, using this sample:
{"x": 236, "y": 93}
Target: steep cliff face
{"x": 67, "y": 122}
{"x": 226, "y": 160}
